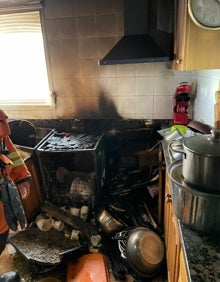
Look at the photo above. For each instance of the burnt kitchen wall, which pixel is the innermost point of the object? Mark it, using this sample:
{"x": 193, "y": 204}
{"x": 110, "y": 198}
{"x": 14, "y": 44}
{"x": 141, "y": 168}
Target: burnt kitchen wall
{"x": 77, "y": 34}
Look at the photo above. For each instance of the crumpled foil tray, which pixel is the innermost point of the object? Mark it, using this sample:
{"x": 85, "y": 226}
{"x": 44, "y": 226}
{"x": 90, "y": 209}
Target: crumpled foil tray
{"x": 43, "y": 247}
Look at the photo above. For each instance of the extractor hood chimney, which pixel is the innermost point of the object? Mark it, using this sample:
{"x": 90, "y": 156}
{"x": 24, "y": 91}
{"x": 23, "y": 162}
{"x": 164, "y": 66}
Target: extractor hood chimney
{"x": 148, "y": 35}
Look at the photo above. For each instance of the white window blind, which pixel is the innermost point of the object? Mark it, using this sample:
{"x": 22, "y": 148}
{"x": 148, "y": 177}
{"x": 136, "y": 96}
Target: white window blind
{"x": 20, "y": 22}
{"x": 19, "y": 6}
{"x": 23, "y": 71}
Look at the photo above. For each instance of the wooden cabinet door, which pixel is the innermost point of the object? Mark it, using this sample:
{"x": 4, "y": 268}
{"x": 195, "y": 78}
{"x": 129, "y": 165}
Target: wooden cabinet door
{"x": 167, "y": 210}
{"x": 183, "y": 274}
{"x": 195, "y": 48}
{"x": 173, "y": 251}
{"x": 172, "y": 238}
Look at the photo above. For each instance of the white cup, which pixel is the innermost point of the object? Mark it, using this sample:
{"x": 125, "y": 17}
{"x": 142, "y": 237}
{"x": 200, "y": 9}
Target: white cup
{"x": 75, "y": 235}
{"x": 84, "y": 212}
{"x": 74, "y": 211}
{"x": 173, "y": 135}
{"x": 95, "y": 240}
{"x": 58, "y": 225}
{"x": 44, "y": 224}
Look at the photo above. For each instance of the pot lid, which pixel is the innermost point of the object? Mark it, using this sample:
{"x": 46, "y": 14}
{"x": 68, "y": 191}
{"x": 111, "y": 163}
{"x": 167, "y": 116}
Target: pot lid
{"x": 206, "y": 145}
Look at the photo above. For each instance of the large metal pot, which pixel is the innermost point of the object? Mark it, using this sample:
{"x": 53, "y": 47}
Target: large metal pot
{"x": 201, "y": 161}
{"x": 197, "y": 209}
{"x": 144, "y": 251}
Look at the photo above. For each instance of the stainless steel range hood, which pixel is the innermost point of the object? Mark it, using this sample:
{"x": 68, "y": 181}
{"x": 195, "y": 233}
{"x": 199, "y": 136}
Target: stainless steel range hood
{"x": 148, "y": 33}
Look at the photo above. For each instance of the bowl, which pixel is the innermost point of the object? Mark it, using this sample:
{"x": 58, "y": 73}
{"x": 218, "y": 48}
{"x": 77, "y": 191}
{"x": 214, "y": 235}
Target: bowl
{"x": 145, "y": 251}
{"x": 200, "y": 211}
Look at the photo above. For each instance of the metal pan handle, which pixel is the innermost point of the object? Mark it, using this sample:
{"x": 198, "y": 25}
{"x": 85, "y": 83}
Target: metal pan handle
{"x": 171, "y": 150}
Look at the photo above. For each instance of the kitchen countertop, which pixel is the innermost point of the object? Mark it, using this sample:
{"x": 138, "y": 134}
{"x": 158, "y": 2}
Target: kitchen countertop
{"x": 202, "y": 252}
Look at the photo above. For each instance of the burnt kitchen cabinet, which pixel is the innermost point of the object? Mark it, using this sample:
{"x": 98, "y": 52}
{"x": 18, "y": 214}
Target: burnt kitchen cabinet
{"x": 195, "y": 48}
{"x": 176, "y": 268}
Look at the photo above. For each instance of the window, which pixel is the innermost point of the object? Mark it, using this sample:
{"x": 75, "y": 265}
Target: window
{"x": 23, "y": 70}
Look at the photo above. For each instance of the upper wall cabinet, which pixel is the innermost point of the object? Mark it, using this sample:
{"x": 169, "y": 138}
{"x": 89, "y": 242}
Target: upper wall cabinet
{"x": 196, "y": 47}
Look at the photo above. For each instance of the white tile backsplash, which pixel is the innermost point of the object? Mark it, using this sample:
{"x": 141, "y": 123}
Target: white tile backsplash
{"x": 126, "y": 86}
{"x": 163, "y": 105}
{"x": 145, "y": 69}
{"x": 126, "y": 70}
{"x": 145, "y": 85}
{"x": 144, "y": 104}
{"x": 126, "y": 106}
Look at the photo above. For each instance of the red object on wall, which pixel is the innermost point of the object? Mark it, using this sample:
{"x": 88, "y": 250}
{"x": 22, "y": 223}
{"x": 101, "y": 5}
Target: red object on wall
{"x": 181, "y": 102}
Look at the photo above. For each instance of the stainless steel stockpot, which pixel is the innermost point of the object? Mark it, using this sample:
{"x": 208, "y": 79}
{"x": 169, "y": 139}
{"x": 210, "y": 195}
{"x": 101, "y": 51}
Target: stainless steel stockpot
{"x": 201, "y": 161}
{"x": 198, "y": 210}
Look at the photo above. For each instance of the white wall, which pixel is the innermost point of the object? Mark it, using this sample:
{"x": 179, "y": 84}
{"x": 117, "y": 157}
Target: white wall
{"x": 207, "y": 83}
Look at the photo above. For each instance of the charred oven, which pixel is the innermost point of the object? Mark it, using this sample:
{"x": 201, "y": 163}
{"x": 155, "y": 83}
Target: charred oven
{"x": 72, "y": 167}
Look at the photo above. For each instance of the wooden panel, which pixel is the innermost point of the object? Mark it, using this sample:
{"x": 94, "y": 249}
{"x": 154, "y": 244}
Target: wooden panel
{"x": 202, "y": 47}
{"x": 177, "y": 246}
{"x": 172, "y": 254}
{"x": 195, "y": 48}
{"x": 172, "y": 237}
{"x": 32, "y": 204}
{"x": 167, "y": 207}
{"x": 183, "y": 275}
{"x": 161, "y": 187}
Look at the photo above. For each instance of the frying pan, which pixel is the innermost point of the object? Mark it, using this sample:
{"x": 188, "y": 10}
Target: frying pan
{"x": 145, "y": 251}
{"x": 200, "y": 127}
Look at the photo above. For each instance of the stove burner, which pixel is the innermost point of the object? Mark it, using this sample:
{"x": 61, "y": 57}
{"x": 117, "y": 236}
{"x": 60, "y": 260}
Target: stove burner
{"x": 69, "y": 141}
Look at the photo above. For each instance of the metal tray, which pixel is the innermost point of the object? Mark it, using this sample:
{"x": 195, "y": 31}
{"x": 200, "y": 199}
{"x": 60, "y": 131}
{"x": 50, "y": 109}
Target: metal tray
{"x": 43, "y": 247}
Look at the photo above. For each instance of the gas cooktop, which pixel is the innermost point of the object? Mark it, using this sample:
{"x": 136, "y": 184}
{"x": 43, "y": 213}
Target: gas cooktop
{"x": 70, "y": 141}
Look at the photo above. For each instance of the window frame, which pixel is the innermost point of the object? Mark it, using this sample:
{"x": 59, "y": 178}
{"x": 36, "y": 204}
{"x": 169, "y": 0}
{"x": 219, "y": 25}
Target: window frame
{"x": 22, "y": 6}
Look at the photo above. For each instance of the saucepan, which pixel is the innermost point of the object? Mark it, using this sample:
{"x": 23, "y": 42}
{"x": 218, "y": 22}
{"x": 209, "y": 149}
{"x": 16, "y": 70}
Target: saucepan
{"x": 108, "y": 223}
{"x": 201, "y": 161}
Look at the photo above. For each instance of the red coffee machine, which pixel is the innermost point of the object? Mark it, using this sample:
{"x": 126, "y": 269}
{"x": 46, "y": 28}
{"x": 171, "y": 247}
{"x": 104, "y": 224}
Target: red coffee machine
{"x": 181, "y": 102}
